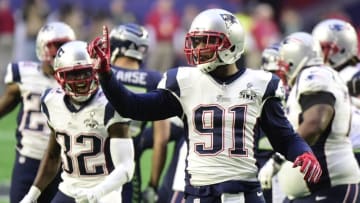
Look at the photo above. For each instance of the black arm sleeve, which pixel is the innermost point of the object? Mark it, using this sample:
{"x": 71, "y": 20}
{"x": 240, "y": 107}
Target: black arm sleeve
{"x": 308, "y": 100}
{"x": 155, "y": 105}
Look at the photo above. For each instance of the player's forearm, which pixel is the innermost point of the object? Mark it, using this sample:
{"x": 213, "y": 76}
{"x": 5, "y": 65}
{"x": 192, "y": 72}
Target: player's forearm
{"x": 158, "y": 163}
{"x": 161, "y": 134}
{"x": 155, "y": 105}
{"x": 9, "y": 100}
{"x": 48, "y": 169}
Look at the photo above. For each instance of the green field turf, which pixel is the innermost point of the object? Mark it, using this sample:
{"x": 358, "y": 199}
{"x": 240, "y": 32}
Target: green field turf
{"x": 7, "y": 151}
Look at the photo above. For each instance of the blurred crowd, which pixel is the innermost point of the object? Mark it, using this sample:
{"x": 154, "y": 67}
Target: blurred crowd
{"x": 266, "y": 22}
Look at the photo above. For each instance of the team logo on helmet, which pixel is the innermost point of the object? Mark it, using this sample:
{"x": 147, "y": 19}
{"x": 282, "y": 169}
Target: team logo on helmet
{"x": 229, "y": 20}
{"x": 337, "y": 27}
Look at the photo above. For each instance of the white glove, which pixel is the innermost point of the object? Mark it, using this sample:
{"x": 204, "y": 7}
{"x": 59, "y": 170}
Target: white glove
{"x": 32, "y": 195}
{"x": 87, "y": 196}
{"x": 267, "y": 172}
{"x": 149, "y": 195}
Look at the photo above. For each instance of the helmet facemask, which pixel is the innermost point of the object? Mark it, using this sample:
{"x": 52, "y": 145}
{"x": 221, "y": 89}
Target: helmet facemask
{"x": 203, "y": 47}
{"x": 215, "y": 38}
{"x": 79, "y": 82}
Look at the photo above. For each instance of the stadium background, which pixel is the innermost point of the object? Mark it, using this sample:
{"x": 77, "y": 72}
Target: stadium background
{"x": 308, "y": 12}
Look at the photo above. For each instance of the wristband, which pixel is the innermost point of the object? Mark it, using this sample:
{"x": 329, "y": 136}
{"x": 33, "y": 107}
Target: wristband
{"x": 278, "y": 159}
{"x": 34, "y": 192}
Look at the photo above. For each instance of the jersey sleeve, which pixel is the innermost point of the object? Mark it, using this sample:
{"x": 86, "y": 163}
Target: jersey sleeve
{"x": 274, "y": 89}
{"x": 154, "y": 80}
{"x": 111, "y": 116}
{"x": 154, "y": 105}
{"x": 12, "y": 74}
{"x": 45, "y": 97}
{"x": 314, "y": 80}
{"x": 280, "y": 132}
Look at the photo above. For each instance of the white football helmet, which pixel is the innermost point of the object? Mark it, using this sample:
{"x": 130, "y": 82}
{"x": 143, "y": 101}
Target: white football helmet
{"x": 129, "y": 40}
{"x": 50, "y": 37}
{"x": 270, "y": 58}
{"x": 74, "y": 71}
{"x": 270, "y": 62}
{"x": 338, "y": 41}
{"x": 299, "y": 50}
{"x": 215, "y": 38}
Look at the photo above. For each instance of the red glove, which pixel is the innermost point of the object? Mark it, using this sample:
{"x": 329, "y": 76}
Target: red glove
{"x": 309, "y": 166}
{"x": 99, "y": 50}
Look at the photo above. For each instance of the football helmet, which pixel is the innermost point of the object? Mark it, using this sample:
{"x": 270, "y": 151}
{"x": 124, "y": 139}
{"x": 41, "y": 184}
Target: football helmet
{"x": 338, "y": 41}
{"x": 299, "y": 50}
{"x": 215, "y": 38}
{"x": 50, "y": 37}
{"x": 270, "y": 62}
{"x": 270, "y": 58}
{"x": 74, "y": 71}
{"x": 129, "y": 40}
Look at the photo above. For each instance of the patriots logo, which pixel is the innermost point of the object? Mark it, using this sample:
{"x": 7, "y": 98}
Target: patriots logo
{"x": 337, "y": 27}
{"x": 310, "y": 77}
{"x": 291, "y": 40}
{"x": 229, "y": 19}
{"x": 47, "y": 28}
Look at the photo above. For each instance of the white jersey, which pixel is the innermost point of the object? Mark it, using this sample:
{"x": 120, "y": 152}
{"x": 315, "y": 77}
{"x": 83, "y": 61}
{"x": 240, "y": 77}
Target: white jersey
{"x": 225, "y": 152}
{"x": 32, "y": 131}
{"x": 354, "y": 133}
{"x": 333, "y": 149}
{"x": 347, "y": 74}
{"x": 82, "y": 135}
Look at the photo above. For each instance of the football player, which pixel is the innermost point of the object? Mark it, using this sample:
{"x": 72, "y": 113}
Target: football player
{"x": 25, "y": 81}
{"x": 89, "y": 139}
{"x": 339, "y": 44}
{"x": 221, "y": 106}
{"x": 129, "y": 46}
{"x": 319, "y": 109}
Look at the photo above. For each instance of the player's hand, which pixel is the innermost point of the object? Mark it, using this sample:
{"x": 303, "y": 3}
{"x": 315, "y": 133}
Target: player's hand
{"x": 309, "y": 166}
{"x": 99, "y": 50}
{"x": 87, "y": 196}
{"x": 32, "y": 195}
{"x": 267, "y": 172}
{"x": 149, "y": 195}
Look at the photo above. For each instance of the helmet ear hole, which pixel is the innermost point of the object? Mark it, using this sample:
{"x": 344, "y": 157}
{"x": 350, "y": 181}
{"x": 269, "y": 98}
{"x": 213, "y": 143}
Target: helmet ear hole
{"x": 232, "y": 48}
